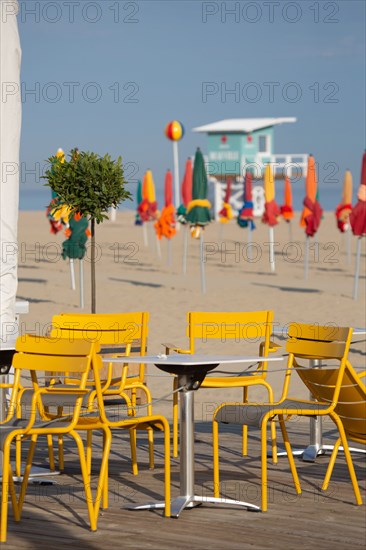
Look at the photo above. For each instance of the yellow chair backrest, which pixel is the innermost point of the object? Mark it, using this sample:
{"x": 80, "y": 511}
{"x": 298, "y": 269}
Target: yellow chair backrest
{"x": 107, "y": 329}
{"x": 327, "y": 382}
{"x": 238, "y": 326}
{"x": 37, "y": 354}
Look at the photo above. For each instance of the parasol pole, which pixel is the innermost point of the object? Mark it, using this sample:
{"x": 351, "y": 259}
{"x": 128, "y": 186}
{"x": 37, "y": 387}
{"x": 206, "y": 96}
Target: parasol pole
{"x": 357, "y": 270}
{"x": 249, "y": 241}
{"x": 169, "y": 252}
{"x": 72, "y": 274}
{"x": 185, "y": 249}
{"x": 176, "y": 173}
{"x": 144, "y": 234}
{"x": 81, "y": 276}
{"x": 221, "y": 232}
{"x": 306, "y": 262}
{"x": 271, "y": 250}
{"x": 348, "y": 243}
{"x": 290, "y": 232}
{"x": 158, "y": 247}
{"x": 203, "y": 272}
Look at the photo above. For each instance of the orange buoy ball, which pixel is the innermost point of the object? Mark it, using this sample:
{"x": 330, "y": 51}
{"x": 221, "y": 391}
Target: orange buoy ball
{"x": 174, "y": 130}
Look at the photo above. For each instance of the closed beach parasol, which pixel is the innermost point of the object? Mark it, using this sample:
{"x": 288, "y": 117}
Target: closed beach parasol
{"x": 358, "y": 222}
{"x": 138, "y": 220}
{"x": 312, "y": 212}
{"x": 358, "y": 216}
{"x": 271, "y": 211}
{"x": 344, "y": 209}
{"x": 198, "y": 214}
{"x": 245, "y": 216}
{"x": 165, "y": 226}
{"x": 226, "y": 213}
{"x": 287, "y": 211}
{"x": 148, "y": 207}
{"x": 182, "y": 210}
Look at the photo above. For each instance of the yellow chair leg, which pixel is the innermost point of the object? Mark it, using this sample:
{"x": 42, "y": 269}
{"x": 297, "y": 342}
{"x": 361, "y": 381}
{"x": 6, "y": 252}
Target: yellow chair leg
{"x": 18, "y": 456}
{"x": 150, "y": 436}
{"x": 61, "y": 461}
{"x": 86, "y": 480}
{"x": 89, "y": 440}
{"x": 5, "y": 491}
{"x": 26, "y": 474}
{"x": 245, "y": 427}
{"x": 347, "y": 454}
{"x": 51, "y": 455}
{"x": 133, "y": 444}
{"x": 290, "y": 455}
{"x": 332, "y": 460}
{"x": 175, "y": 418}
{"x": 102, "y": 488}
{"x": 264, "y": 465}
{"x": 215, "y": 445}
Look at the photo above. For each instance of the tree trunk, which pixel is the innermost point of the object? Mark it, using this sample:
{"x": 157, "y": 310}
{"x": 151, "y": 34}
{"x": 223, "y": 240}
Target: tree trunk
{"x": 92, "y": 265}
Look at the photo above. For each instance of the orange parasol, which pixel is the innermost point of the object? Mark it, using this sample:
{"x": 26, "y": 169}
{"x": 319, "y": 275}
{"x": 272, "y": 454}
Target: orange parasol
{"x": 165, "y": 226}
{"x": 312, "y": 212}
{"x": 286, "y": 209}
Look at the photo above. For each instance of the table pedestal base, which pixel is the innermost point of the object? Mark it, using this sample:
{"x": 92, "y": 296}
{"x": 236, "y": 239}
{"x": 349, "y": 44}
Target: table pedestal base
{"x": 180, "y": 503}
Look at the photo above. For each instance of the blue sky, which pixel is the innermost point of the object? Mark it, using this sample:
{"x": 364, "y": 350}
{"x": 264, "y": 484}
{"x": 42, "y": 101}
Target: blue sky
{"x": 112, "y": 85}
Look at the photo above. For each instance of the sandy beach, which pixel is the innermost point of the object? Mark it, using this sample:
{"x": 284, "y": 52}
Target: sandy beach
{"x": 132, "y": 277}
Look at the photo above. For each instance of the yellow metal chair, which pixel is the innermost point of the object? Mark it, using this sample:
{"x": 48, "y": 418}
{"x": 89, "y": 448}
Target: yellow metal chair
{"x": 328, "y": 385}
{"x": 239, "y": 328}
{"x": 118, "y": 334}
{"x": 45, "y": 355}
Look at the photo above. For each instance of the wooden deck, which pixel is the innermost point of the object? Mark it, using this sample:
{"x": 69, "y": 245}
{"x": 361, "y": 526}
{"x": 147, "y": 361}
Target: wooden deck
{"x": 55, "y": 516}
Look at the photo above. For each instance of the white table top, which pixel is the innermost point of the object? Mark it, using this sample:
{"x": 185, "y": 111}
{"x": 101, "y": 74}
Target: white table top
{"x": 193, "y": 359}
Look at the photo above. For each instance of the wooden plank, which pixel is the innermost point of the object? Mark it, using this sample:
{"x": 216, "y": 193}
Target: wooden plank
{"x": 55, "y": 516}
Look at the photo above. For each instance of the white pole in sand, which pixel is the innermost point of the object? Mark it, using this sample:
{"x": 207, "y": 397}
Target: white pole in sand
{"x": 170, "y": 252}
{"x": 306, "y": 262}
{"x": 144, "y": 233}
{"x": 72, "y": 273}
{"x": 271, "y": 250}
{"x": 357, "y": 270}
{"x": 348, "y": 244}
{"x": 81, "y": 276}
{"x": 249, "y": 242}
{"x": 185, "y": 249}
{"x": 176, "y": 173}
{"x": 203, "y": 271}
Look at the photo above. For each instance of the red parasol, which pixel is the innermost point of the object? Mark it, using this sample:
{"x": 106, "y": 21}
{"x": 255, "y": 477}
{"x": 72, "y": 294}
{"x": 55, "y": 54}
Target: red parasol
{"x": 358, "y": 215}
{"x": 344, "y": 209}
{"x": 187, "y": 183}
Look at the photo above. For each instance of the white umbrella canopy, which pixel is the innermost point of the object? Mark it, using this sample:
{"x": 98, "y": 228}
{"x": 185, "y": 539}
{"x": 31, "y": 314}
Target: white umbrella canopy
{"x": 10, "y": 125}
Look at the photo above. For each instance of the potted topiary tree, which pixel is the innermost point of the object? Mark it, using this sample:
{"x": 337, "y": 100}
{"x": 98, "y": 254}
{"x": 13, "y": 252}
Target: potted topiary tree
{"x": 89, "y": 184}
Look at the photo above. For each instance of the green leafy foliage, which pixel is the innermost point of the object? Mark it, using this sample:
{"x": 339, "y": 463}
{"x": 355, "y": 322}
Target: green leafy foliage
{"x": 88, "y": 183}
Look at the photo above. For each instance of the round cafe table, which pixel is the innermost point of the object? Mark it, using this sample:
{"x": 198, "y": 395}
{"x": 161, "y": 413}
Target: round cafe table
{"x": 190, "y": 371}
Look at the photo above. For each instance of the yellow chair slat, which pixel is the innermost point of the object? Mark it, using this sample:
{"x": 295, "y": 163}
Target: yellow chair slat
{"x": 315, "y": 332}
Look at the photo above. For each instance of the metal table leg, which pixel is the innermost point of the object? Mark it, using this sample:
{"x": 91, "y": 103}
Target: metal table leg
{"x": 187, "y": 498}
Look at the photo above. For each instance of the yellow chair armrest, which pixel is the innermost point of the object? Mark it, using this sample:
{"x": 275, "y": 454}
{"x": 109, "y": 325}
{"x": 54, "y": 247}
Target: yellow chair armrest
{"x": 362, "y": 374}
{"x": 172, "y": 347}
{"x": 273, "y": 347}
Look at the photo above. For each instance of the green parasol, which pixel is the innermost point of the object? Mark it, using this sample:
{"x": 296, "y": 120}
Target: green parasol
{"x": 198, "y": 214}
